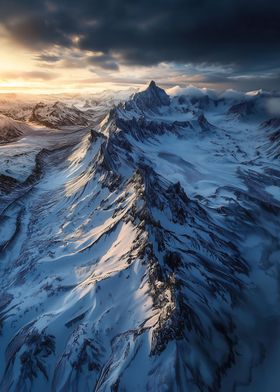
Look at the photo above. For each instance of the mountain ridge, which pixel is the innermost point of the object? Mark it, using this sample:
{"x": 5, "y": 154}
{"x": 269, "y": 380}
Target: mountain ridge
{"x": 142, "y": 243}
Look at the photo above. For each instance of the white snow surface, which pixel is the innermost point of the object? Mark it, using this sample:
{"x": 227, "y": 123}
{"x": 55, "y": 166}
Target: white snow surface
{"x": 140, "y": 252}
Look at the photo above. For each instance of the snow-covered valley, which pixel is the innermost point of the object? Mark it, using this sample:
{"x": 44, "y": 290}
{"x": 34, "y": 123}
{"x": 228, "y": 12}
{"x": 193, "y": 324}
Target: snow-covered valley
{"x": 140, "y": 245}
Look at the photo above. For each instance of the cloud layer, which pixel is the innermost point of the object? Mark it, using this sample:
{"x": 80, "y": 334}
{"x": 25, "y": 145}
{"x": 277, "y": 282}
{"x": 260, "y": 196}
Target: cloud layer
{"x": 239, "y": 39}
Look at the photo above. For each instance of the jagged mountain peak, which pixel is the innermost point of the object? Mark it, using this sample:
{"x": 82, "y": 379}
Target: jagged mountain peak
{"x": 152, "y": 84}
{"x": 154, "y": 89}
{"x": 150, "y": 99}
{"x": 57, "y": 114}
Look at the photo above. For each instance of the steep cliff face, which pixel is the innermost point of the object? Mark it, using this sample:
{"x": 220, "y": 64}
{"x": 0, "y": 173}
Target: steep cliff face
{"x": 142, "y": 256}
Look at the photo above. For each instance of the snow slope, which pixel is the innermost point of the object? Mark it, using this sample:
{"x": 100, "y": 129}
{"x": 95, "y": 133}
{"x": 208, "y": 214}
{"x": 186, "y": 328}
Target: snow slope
{"x": 143, "y": 254}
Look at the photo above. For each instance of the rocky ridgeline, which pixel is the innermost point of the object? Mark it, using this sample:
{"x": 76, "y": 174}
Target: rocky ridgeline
{"x": 128, "y": 270}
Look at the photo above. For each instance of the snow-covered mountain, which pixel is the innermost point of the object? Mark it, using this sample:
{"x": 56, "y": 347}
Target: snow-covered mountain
{"x": 58, "y": 115}
{"x": 10, "y": 129}
{"x": 61, "y": 109}
{"x": 143, "y": 254}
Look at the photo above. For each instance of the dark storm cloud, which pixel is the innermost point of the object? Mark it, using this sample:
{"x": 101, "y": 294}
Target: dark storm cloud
{"x": 244, "y": 33}
{"x": 79, "y": 60}
{"x": 48, "y": 58}
{"x": 103, "y": 61}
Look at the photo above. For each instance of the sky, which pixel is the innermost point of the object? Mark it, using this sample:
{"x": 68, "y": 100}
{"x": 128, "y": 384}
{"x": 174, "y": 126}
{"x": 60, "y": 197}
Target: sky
{"x": 51, "y": 46}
